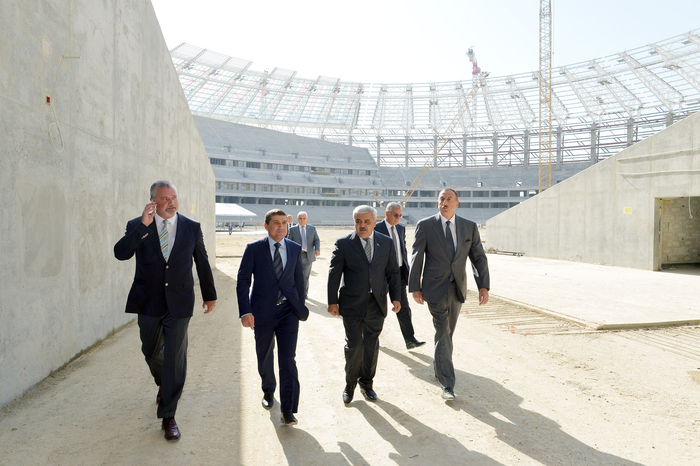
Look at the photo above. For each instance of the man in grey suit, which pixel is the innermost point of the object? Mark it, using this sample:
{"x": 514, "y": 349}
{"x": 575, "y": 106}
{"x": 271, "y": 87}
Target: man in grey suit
{"x": 307, "y": 237}
{"x": 363, "y": 268}
{"x": 392, "y": 227}
{"x": 438, "y": 276}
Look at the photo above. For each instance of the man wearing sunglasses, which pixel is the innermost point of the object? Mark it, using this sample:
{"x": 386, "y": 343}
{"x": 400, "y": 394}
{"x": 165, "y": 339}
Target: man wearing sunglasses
{"x": 391, "y": 226}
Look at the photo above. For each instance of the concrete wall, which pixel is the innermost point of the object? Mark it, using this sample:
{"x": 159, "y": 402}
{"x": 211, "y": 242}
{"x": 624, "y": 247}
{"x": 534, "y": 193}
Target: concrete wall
{"x": 608, "y": 213}
{"x": 123, "y": 123}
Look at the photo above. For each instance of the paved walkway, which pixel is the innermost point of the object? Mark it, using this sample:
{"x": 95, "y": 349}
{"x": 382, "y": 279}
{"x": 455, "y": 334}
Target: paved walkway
{"x": 599, "y": 296}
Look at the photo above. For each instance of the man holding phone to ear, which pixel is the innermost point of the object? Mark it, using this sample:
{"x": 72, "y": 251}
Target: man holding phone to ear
{"x": 165, "y": 244}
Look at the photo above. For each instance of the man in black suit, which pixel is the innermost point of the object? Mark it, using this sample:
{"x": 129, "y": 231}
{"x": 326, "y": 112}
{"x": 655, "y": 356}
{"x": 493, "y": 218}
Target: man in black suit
{"x": 392, "y": 227}
{"x": 365, "y": 263}
{"x": 307, "y": 237}
{"x": 273, "y": 309}
{"x": 165, "y": 243}
{"x": 438, "y": 276}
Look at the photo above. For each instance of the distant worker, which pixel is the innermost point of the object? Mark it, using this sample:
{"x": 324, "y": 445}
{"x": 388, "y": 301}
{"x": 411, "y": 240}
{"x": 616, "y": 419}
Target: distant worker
{"x": 165, "y": 242}
{"x": 273, "y": 309}
{"x": 438, "y": 276}
{"x": 307, "y": 237}
{"x": 230, "y": 228}
{"x": 364, "y": 262}
{"x": 392, "y": 227}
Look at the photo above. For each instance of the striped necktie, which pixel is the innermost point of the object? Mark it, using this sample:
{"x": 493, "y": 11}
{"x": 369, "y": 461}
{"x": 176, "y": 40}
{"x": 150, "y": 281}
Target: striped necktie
{"x": 277, "y": 268}
{"x": 368, "y": 250}
{"x": 164, "y": 240}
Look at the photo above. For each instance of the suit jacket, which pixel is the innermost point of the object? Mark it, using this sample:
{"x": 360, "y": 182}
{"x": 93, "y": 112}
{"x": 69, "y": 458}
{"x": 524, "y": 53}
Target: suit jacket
{"x": 158, "y": 286}
{"x": 355, "y": 277}
{"x": 262, "y": 301}
{"x": 431, "y": 259}
{"x": 313, "y": 243}
{"x": 383, "y": 227}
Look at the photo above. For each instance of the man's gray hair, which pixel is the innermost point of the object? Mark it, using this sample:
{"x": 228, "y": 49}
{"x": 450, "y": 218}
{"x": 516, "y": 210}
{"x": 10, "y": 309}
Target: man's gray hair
{"x": 161, "y": 184}
{"x": 393, "y": 205}
{"x": 364, "y": 209}
{"x": 302, "y": 213}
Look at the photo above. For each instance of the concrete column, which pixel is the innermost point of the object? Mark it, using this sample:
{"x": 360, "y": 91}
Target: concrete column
{"x": 464, "y": 150}
{"x": 379, "y": 151}
{"x": 494, "y": 161}
{"x": 669, "y": 119}
{"x": 406, "y": 144}
{"x": 630, "y": 131}
{"x": 349, "y": 139}
{"x": 560, "y": 143}
{"x": 594, "y": 143}
{"x": 526, "y": 149}
{"x": 435, "y": 143}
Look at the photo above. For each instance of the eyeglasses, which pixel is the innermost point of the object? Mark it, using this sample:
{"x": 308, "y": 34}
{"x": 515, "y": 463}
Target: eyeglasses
{"x": 396, "y": 215}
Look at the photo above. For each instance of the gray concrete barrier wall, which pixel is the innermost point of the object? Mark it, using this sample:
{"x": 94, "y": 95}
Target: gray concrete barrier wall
{"x": 608, "y": 213}
{"x": 123, "y": 123}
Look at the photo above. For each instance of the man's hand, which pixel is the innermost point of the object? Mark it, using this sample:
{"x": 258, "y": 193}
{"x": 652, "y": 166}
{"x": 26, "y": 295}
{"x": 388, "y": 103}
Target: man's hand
{"x": 418, "y": 297}
{"x": 208, "y": 306}
{"x": 333, "y": 310}
{"x": 318, "y": 253}
{"x": 483, "y": 296}
{"x": 148, "y": 212}
{"x": 248, "y": 321}
{"x": 397, "y": 306}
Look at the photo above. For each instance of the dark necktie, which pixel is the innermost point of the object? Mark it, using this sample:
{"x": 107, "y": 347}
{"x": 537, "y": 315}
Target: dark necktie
{"x": 450, "y": 241}
{"x": 396, "y": 246}
{"x": 277, "y": 267}
{"x": 450, "y": 245}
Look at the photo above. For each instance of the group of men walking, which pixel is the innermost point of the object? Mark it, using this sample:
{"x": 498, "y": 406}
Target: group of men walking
{"x": 366, "y": 266}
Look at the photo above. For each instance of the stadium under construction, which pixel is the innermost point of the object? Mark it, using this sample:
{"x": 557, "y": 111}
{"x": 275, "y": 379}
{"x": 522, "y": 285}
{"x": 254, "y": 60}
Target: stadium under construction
{"x": 277, "y": 139}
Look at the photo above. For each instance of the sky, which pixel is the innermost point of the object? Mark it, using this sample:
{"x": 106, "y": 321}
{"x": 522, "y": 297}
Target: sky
{"x": 387, "y": 41}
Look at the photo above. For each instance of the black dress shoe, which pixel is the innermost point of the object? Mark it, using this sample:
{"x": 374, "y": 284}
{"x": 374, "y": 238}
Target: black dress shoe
{"x": 369, "y": 394}
{"x": 267, "y": 401}
{"x": 288, "y": 418}
{"x": 348, "y": 393}
{"x": 159, "y": 395}
{"x": 448, "y": 394}
{"x": 413, "y": 343}
{"x": 170, "y": 428}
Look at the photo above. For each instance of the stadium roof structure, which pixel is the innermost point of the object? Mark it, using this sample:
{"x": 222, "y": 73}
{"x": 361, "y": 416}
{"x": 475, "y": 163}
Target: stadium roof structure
{"x": 600, "y": 106}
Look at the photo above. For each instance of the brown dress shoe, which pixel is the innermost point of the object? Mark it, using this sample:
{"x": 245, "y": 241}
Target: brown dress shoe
{"x": 170, "y": 428}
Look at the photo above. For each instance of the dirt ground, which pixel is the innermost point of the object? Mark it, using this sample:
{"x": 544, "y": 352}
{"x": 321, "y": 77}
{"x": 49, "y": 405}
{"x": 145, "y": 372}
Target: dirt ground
{"x": 557, "y": 396}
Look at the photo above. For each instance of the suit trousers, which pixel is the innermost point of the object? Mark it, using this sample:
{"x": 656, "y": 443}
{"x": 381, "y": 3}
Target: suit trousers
{"x": 306, "y": 265}
{"x": 404, "y": 316}
{"x": 362, "y": 345}
{"x": 164, "y": 345}
{"x": 445, "y": 314}
{"x": 285, "y": 328}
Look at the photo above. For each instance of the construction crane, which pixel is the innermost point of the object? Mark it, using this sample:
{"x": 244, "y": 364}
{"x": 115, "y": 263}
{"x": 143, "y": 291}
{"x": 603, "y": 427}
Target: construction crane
{"x": 545, "y": 85}
{"x": 445, "y": 137}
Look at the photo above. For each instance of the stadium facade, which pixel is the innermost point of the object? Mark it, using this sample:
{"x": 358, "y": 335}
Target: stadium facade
{"x": 388, "y": 132}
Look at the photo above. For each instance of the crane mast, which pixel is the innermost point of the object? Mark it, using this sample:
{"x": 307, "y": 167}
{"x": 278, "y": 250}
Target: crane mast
{"x": 545, "y": 87}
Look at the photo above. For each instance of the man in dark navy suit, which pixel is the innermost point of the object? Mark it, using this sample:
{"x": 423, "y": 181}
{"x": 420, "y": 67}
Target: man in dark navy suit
{"x": 274, "y": 308}
{"x": 392, "y": 227}
{"x": 365, "y": 263}
{"x": 165, "y": 243}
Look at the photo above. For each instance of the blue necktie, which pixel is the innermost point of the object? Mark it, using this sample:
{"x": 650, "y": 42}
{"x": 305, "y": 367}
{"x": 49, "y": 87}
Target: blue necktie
{"x": 277, "y": 267}
{"x": 164, "y": 240}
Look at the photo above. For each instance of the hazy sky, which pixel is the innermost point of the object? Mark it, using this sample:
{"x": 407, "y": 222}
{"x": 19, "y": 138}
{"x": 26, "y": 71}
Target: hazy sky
{"x": 387, "y": 41}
